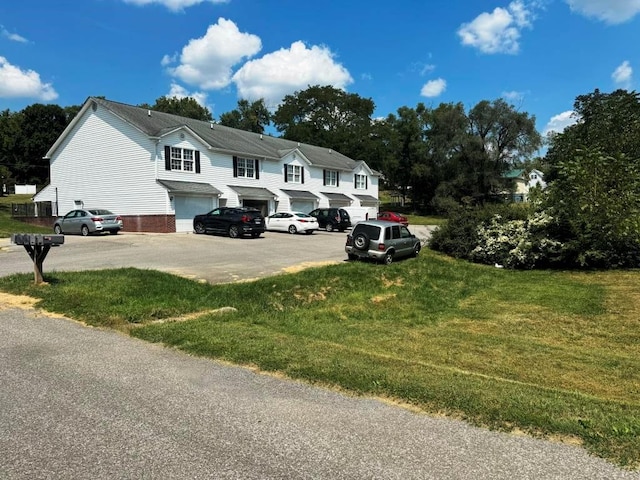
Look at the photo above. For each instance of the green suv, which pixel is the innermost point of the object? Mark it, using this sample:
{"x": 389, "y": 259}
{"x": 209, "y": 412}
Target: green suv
{"x": 381, "y": 241}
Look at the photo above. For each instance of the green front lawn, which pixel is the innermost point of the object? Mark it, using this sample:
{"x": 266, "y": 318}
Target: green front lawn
{"x": 8, "y": 225}
{"x": 555, "y": 354}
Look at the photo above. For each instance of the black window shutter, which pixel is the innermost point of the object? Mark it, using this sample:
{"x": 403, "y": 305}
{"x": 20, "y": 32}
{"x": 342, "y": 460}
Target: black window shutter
{"x": 302, "y": 174}
{"x": 197, "y": 161}
{"x": 355, "y": 181}
{"x": 257, "y": 170}
{"x": 337, "y": 179}
{"x": 324, "y": 177}
{"x": 366, "y": 182}
{"x": 235, "y": 166}
{"x": 285, "y": 174}
{"x": 167, "y": 157}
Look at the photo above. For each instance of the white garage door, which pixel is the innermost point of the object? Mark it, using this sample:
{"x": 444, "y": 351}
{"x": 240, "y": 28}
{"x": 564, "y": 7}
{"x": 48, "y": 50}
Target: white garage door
{"x": 301, "y": 206}
{"x": 187, "y": 208}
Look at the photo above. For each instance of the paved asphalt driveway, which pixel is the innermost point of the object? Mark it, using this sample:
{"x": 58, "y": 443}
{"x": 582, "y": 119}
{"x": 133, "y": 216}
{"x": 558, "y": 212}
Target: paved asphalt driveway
{"x": 216, "y": 259}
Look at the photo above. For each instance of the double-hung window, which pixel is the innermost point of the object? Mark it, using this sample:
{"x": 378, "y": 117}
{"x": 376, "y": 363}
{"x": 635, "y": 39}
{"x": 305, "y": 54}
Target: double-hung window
{"x": 294, "y": 173}
{"x": 360, "y": 182}
{"x": 181, "y": 159}
{"x": 331, "y": 178}
{"x": 246, "y": 168}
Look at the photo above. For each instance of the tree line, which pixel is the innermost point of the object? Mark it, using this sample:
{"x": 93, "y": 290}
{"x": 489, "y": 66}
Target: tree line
{"x": 433, "y": 156}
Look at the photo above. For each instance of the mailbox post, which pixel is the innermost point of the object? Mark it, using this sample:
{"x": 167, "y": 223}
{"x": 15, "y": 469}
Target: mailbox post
{"x": 37, "y": 246}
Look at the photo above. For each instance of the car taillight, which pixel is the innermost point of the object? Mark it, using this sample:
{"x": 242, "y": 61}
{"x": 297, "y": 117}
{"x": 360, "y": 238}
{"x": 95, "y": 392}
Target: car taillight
{"x": 245, "y": 219}
{"x": 302, "y": 221}
{"x": 118, "y": 218}
{"x": 337, "y": 218}
{"x": 381, "y": 247}
{"x": 97, "y": 219}
{"x": 349, "y": 240}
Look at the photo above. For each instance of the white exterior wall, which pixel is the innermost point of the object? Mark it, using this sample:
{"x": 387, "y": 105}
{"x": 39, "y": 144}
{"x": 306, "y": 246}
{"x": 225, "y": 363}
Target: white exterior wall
{"x": 106, "y": 163}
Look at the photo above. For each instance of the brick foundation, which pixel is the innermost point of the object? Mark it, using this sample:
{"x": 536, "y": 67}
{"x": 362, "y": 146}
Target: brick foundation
{"x": 132, "y": 223}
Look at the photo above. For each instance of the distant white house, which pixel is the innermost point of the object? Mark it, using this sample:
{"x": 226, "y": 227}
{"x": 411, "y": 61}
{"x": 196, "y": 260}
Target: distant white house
{"x": 524, "y": 182}
{"x": 159, "y": 170}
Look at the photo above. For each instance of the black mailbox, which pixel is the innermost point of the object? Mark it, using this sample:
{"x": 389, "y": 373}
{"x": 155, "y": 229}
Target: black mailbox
{"x": 37, "y": 246}
{"x": 37, "y": 239}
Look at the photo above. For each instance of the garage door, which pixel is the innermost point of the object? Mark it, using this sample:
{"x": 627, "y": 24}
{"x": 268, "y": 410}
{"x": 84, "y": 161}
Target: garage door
{"x": 301, "y": 206}
{"x": 188, "y": 207}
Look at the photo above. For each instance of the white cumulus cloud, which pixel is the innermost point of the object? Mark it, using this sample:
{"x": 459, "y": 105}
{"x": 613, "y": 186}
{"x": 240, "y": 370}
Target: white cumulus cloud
{"x": 208, "y": 61}
{"x": 609, "y": 11}
{"x": 559, "y": 122}
{"x": 434, "y": 88}
{"x": 288, "y": 70}
{"x": 179, "y": 92}
{"x": 623, "y": 74}
{"x": 18, "y": 83}
{"x": 173, "y": 5}
{"x": 498, "y": 31}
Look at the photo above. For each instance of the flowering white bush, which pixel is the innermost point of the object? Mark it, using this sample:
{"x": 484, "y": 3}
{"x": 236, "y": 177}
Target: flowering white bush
{"x": 516, "y": 243}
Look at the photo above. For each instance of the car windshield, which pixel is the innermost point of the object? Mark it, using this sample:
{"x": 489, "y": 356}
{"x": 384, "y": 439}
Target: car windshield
{"x": 371, "y": 231}
{"x": 100, "y": 211}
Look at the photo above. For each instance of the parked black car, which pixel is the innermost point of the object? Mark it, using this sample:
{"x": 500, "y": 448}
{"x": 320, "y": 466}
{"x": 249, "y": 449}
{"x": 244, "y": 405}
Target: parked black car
{"x": 332, "y": 218}
{"x": 232, "y": 221}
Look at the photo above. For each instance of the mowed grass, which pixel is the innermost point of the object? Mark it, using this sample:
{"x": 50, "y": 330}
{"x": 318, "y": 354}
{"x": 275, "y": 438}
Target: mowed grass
{"x": 8, "y": 225}
{"x": 554, "y": 354}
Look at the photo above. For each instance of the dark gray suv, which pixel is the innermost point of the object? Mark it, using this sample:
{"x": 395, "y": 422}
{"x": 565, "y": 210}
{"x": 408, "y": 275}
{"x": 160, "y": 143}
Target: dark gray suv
{"x": 381, "y": 241}
{"x": 332, "y": 218}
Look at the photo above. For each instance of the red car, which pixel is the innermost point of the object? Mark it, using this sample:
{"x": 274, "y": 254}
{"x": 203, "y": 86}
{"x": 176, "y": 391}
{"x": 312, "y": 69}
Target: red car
{"x": 393, "y": 217}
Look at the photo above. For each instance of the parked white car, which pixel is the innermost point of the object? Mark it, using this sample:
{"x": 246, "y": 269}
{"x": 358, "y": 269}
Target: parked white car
{"x": 292, "y": 222}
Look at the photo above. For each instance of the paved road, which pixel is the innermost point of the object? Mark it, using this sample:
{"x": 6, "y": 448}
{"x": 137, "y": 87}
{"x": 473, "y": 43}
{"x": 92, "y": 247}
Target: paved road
{"x": 84, "y": 403}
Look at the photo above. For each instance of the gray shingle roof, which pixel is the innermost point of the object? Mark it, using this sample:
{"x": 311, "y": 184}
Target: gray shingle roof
{"x": 234, "y": 141}
{"x": 176, "y": 186}
{"x": 300, "y": 194}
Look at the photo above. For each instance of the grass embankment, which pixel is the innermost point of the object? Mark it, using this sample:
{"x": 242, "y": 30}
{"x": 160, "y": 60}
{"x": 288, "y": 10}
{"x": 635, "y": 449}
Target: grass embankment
{"x": 8, "y": 225}
{"x": 551, "y": 353}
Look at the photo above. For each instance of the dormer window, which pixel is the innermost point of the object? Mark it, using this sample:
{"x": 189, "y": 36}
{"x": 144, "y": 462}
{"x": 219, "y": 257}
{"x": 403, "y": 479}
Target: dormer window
{"x": 293, "y": 174}
{"x": 360, "y": 182}
{"x": 181, "y": 159}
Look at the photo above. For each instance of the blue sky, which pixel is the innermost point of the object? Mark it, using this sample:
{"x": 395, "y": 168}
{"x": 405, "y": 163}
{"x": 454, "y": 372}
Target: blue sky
{"x": 538, "y": 55}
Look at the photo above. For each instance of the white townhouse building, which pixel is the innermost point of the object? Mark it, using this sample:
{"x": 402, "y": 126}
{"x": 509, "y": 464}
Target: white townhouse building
{"x": 159, "y": 170}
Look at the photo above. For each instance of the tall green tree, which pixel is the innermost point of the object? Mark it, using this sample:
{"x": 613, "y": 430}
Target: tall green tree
{"x": 40, "y": 127}
{"x": 252, "y": 117}
{"x": 328, "y": 117}
{"x": 185, "y": 107}
{"x": 607, "y": 122}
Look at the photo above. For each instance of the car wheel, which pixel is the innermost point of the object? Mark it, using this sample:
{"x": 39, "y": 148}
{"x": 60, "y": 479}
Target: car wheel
{"x": 84, "y": 231}
{"x": 199, "y": 228}
{"x": 292, "y": 229}
{"x": 361, "y": 241}
{"x": 388, "y": 259}
{"x": 57, "y": 229}
{"x": 329, "y": 227}
{"x": 416, "y": 250}
{"x": 234, "y": 231}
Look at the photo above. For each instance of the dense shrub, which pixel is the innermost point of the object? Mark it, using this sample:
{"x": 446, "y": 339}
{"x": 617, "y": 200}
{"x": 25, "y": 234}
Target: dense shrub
{"x": 460, "y": 235}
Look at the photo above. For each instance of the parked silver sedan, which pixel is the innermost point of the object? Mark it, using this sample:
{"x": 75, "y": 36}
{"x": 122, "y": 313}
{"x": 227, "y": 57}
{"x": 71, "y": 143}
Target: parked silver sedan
{"x": 292, "y": 222}
{"x": 87, "y": 221}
